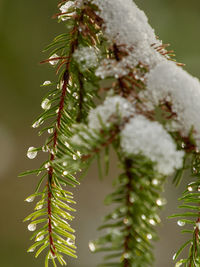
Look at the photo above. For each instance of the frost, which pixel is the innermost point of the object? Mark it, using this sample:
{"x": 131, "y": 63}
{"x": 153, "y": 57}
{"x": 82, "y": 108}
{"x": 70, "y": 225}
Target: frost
{"x": 141, "y": 136}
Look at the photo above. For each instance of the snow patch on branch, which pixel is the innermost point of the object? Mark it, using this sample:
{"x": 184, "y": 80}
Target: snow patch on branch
{"x": 68, "y": 9}
{"x": 125, "y": 23}
{"x": 132, "y": 31}
{"x": 168, "y": 81}
{"x": 86, "y": 57}
{"x": 113, "y": 110}
{"x": 141, "y": 136}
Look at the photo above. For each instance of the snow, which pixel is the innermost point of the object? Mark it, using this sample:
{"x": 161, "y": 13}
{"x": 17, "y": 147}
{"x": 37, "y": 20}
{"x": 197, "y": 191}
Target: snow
{"x": 149, "y": 138}
{"x": 168, "y": 81}
{"x": 113, "y": 110}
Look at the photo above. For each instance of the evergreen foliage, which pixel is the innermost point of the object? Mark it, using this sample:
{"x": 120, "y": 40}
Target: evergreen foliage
{"x": 94, "y": 63}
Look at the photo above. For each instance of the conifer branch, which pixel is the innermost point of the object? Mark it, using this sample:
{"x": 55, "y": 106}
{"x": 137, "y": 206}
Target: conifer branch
{"x": 148, "y": 114}
{"x": 54, "y": 197}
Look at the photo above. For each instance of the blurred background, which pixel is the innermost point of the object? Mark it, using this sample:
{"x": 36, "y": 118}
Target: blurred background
{"x": 26, "y": 27}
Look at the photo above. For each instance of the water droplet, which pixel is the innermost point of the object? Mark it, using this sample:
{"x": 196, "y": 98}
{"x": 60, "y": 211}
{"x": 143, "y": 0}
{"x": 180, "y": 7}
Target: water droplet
{"x": 31, "y": 250}
{"x": 74, "y": 157}
{"x": 126, "y": 255}
{"x": 47, "y": 165}
{"x": 138, "y": 239}
{"x": 59, "y": 86}
{"x": 30, "y": 199}
{"x": 74, "y": 94}
{"x": 39, "y": 237}
{"x": 65, "y": 164}
{"x": 179, "y": 263}
{"x": 51, "y": 256}
{"x": 131, "y": 199}
{"x": 65, "y": 172}
{"x": 39, "y": 207}
{"x": 45, "y": 149}
{"x": 79, "y": 153}
{"x": 54, "y": 61}
{"x": 126, "y": 221}
{"x": 92, "y": 246}
{"x": 152, "y": 222}
{"x": 143, "y": 217}
{"x": 190, "y": 189}
{"x": 37, "y": 123}
{"x": 46, "y": 82}
{"x": 70, "y": 241}
{"x": 180, "y": 223}
{"x": 55, "y": 224}
{"x": 149, "y": 236}
{"x": 174, "y": 256}
{"x": 32, "y": 227}
{"x": 66, "y": 144}
{"x": 183, "y": 145}
{"x": 46, "y": 104}
{"x": 155, "y": 182}
{"x": 50, "y": 130}
{"x": 31, "y": 154}
{"x": 160, "y": 202}
{"x": 198, "y": 225}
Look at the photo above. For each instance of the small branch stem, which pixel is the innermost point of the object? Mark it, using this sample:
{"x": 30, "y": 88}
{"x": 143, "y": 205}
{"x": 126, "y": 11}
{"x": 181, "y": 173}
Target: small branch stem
{"x": 66, "y": 77}
{"x": 81, "y": 95}
{"x": 128, "y": 164}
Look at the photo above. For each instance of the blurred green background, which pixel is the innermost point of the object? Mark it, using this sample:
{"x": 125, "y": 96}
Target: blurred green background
{"x": 25, "y": 28}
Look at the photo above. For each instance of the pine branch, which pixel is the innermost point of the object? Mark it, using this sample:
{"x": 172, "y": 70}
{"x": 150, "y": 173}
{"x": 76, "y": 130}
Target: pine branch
{"x": 53, "y": 208}
{"x": 191, "y": 217}
{"x": 130, "y": 227}
{"x": 144, "y": 116}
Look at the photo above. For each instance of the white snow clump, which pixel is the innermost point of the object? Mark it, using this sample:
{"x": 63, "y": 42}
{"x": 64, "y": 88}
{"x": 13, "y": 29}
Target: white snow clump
{"x": 132, "y": 31}
{"x": 168, "y": 81}
{"x": 141, "y": 136}
{"x": 114, "y": 109}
